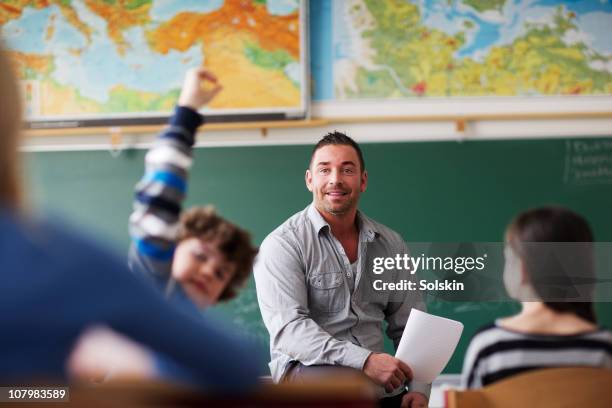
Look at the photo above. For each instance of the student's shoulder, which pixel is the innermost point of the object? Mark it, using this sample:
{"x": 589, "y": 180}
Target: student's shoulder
{"x": 486, "y": 328}
{"x": 486, "y": 335}
{"x": 61, "y": 246}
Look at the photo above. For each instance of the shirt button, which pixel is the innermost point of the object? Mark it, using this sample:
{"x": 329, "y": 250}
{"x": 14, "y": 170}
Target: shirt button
{"x": 348, "y": 274}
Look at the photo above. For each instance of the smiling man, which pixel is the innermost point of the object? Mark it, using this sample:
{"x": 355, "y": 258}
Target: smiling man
{"x": 310, "y": 288}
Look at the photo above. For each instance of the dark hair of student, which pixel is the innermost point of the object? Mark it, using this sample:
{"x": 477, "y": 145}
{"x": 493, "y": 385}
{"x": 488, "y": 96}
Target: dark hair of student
{"x": 339, "y": 138}
{"x": 553, "y": 224}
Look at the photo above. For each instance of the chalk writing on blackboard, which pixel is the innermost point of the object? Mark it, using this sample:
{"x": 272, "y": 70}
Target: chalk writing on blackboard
{"x": 588, "y": 162}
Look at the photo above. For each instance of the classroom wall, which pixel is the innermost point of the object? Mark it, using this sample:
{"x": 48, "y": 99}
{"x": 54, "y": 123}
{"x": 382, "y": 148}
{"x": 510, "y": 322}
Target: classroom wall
{"x": 428, "y": 191}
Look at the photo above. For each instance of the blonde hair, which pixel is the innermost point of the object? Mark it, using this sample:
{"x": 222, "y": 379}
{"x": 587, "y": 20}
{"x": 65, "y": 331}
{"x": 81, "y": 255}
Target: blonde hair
{"x": 10, "y": 124}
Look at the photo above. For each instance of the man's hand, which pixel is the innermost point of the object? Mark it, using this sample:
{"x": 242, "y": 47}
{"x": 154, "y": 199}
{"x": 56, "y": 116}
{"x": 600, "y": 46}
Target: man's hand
{"x": 387, "y": 371}
{"x": 414, "y": 400}
{"x": 194, "y": 95}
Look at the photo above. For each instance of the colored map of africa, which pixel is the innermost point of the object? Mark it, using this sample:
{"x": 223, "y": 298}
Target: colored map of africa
{"x": 402, "y": 49}
{"x": 114, "y": 58}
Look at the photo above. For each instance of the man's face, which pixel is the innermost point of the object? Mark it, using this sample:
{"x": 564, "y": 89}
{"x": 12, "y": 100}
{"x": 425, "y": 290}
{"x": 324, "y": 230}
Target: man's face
{"x": 335, "y": 179}
{"x": 202, "y": 269}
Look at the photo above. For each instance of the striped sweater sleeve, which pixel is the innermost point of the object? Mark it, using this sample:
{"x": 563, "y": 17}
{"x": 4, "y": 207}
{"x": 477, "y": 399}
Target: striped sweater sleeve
{"x": 159, "y": 195}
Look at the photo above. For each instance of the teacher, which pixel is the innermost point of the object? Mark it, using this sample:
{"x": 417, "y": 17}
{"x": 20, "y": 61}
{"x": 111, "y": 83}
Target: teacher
{"x": 311, "y": 286}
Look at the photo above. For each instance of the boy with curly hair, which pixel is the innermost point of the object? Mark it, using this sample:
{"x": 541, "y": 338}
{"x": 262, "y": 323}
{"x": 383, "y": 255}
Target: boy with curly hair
{"x": 209, "y": 257}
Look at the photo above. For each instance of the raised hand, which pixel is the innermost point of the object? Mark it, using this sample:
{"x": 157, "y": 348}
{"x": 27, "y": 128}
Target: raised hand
{"x": 194, "y": 95}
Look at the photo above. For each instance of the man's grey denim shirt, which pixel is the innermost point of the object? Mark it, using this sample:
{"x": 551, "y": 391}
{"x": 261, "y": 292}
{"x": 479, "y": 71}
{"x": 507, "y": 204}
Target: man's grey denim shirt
{"x": 302, "y": 277}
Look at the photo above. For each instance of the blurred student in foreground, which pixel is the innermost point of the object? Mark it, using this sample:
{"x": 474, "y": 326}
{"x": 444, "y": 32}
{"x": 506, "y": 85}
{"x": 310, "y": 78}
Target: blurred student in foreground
{"x": 547, "y": 332}
{"x": 56, "y": 284}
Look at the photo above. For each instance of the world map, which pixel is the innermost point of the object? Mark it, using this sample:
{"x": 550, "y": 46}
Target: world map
{"x": 127, "y": 58}
{"x": 458, "y": 48}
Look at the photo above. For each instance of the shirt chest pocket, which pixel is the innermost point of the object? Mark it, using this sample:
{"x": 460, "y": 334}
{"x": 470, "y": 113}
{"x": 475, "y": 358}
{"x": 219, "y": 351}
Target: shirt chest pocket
{"x": 326, "y": 292}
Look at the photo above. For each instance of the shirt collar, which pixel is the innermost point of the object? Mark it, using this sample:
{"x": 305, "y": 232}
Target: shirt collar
{"x": 366, "y": 226}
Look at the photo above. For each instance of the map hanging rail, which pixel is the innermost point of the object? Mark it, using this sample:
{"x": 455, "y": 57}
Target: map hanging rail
{"x": 460, "y": 120}
{"x": 472, "y": 118}
{"x": 263, "y": 126}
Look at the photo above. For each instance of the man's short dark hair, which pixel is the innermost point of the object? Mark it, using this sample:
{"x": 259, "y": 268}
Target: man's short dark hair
{"x": 339, "y": 138}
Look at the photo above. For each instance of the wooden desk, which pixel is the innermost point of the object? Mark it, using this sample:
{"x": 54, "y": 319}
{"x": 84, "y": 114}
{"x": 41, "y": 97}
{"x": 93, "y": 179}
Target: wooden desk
{"x": 345, "y": 391}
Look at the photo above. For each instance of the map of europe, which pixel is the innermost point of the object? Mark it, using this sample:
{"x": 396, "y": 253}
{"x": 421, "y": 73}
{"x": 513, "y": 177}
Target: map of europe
{"x": 117, "y": 58}
{"x": 457, "y": 48}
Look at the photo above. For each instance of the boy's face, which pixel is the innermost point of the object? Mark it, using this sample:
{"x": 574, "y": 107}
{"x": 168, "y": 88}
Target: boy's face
{"x": 202, "y": 269}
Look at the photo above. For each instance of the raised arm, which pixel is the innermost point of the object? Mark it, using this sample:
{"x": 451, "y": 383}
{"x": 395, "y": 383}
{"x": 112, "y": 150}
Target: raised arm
{"x": 162, "y": 190}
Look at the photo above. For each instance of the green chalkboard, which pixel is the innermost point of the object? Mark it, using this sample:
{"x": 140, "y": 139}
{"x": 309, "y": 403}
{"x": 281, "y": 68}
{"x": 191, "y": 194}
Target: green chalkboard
{"x": 427, "y": 191}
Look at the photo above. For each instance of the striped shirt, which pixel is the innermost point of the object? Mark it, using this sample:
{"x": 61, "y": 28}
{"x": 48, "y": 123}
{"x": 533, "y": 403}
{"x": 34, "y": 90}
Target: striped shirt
{"x": 496, "y": 353}
{"x": 159, "y": 197}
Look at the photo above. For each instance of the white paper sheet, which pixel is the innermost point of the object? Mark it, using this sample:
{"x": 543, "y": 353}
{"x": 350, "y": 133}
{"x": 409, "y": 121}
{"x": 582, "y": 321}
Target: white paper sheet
{"x": 427, "y": 344}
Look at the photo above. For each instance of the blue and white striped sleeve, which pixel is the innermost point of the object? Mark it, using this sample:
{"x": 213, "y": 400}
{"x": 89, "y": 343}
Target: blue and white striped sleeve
{"x": 159, "y": 195}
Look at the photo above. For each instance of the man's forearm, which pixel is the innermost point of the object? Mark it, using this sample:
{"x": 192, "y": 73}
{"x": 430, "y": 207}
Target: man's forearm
{"x": 305, "y": 341}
